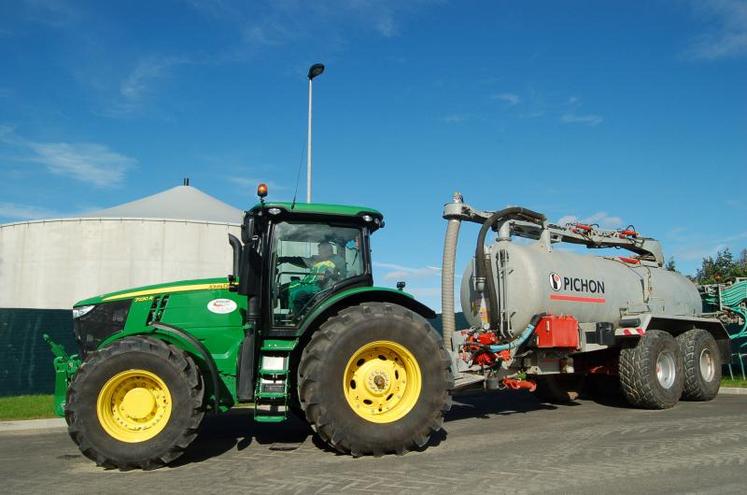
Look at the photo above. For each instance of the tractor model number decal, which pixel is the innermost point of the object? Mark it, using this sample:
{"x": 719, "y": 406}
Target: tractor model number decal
{"x": 221, "y": 306}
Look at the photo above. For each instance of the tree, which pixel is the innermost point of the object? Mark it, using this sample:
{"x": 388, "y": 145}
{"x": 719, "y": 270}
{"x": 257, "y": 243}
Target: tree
{"x": 670, "y": 265}
{"x": 724, "y": 268}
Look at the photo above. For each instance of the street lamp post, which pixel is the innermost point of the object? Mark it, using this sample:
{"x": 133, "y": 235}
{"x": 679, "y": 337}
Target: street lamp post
{"x": 314, "y": 71}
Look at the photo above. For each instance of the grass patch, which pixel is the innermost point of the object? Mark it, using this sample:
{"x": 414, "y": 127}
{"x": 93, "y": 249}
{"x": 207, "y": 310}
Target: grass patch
{"x": 26, "y": 407}
{"x": 737, "y": 382}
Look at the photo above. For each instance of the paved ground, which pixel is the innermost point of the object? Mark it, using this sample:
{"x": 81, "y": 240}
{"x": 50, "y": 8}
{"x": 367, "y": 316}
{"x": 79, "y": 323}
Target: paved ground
{"x": 497, "y": 443}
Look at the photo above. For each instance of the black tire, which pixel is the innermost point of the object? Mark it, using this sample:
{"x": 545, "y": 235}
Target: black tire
{"x": 185, "y": 385}
{"x": 559, "y": 389}
{"x": 702, "y": 364}
{"x": 638, "y": 371}
{"x": 323, "y": 363}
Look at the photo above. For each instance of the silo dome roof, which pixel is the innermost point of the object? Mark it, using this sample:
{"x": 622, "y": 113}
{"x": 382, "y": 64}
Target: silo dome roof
{"x": 180, "y": 202}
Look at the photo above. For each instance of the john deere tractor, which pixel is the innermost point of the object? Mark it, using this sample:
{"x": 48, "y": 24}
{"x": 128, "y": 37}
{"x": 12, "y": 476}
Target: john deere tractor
{"x": 298, "y": 327}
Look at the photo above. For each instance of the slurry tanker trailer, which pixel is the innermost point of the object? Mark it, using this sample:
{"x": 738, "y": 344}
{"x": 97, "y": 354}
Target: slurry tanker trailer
{"x": 299, "y": 327}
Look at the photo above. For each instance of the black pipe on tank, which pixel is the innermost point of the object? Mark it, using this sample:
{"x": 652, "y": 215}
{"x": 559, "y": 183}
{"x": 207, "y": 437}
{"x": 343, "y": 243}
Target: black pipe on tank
{"x": 482, "y": 272}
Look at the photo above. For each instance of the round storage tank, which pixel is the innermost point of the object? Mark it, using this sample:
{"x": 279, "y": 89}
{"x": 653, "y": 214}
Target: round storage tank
{"x": 178, "y": 234}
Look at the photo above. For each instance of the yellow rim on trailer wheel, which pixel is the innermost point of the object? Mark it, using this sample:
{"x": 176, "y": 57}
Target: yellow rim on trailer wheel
{"x": 134, "y": 406}
{"x": 382, "y": 381}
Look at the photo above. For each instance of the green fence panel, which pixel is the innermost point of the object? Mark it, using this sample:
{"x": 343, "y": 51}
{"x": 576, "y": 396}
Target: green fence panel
{"x": 25, "y": 360}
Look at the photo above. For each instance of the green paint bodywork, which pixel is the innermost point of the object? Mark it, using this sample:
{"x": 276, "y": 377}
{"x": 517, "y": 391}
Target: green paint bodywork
{"x": 320, "y": 209}
{"x": 222, "y": 334}
{"x": 65, "y": 368}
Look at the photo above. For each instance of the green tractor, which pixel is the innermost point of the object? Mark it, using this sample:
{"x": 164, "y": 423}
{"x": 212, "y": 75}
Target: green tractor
{"x": 297, "y": 328}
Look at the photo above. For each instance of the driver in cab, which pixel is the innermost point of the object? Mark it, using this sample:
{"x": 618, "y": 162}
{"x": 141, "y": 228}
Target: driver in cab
{"x": 324, "y": 269}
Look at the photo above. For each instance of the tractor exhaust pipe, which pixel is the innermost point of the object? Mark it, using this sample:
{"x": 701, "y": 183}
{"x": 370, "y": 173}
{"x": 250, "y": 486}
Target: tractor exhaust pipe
{"x": 236, "y": 245}
{"x": 451, "y": 213}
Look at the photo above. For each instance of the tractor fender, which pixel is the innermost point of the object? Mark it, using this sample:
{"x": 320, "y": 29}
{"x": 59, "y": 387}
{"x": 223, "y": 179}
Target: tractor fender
{"x": 182, "y": 339}
{"x": 360, "y": 295}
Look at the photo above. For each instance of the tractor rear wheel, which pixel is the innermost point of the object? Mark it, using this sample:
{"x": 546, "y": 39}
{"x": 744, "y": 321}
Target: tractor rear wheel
{"x": 135, "y": 404}
{"x": 702, "y": 363}
{"x": 375, "y": 379}
{"x": 651, "y": 373}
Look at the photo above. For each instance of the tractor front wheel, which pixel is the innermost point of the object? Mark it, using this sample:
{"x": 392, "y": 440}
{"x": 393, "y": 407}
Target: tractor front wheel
{"x": 374, "y": 380}
{"x": 135, "y": 404}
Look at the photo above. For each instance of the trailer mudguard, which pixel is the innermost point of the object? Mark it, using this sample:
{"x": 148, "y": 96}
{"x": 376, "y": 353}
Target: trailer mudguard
{"x": 636, "y": 326}
{"x": 359, "y": 295}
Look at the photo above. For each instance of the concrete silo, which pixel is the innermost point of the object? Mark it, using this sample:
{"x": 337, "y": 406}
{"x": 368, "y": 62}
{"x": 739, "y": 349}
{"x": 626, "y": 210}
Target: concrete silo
{"x": 47, "y": 265}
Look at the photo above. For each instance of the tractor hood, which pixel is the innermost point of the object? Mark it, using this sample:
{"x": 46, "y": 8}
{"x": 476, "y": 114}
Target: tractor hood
{"x": 150, "y": 290}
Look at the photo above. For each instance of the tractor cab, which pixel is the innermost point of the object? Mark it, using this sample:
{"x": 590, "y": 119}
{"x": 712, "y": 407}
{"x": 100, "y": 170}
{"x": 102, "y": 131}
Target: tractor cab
{"x": 295, "y": 256}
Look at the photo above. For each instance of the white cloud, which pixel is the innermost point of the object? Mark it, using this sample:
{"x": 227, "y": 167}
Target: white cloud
{"x": 282, "y": 22}
{"x": 425, "y": 291}
{"x": 728, "y": 34}
{"x": 510, "y": 98}
{"x": 91, "y": 163}
{"x": 400, "y": 272}
{"x": 588, "y": 119}
{"x": 252, "y": 183}
{"x": 141, "y": 81}
{"x": 601, "y": 218}
{"x": 455, "y": 118}
{"x": 55, "y": 13}
{"x": 16, "y": 211}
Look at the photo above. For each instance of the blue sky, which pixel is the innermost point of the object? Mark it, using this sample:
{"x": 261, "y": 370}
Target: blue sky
{"x": 618, "y": 112}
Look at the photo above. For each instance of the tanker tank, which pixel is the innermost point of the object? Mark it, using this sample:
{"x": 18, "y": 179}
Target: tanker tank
{"x": 538, "y": 278}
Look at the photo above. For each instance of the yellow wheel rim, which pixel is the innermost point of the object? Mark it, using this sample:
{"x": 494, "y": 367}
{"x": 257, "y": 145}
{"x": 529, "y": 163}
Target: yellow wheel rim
{"x": 134, "y": 406}
{"x": 382, "y": 381}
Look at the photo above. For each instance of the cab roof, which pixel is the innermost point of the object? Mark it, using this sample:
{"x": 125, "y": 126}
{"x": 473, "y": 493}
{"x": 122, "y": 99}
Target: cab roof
{"x": 318, "y": 209}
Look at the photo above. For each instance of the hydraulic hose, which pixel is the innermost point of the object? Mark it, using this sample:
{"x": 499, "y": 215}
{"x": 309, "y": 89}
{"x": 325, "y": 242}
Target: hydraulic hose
{"x": 523, "y": 336}
{"x": 482, "y": 272}
{"x": 447, "y": 282}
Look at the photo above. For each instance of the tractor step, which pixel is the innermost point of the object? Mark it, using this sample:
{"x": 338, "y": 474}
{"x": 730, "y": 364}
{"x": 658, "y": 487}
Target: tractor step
{"x": 269, "y": 419}
{"x": 271, "y": 395}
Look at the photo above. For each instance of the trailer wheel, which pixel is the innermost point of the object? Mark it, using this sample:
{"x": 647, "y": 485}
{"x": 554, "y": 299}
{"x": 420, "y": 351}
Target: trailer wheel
{"x": 651, "y": 373}
{"x": 559, "y": 389}
{"x": 702, "y": 364}
{"x": 135, "y": 404}
{"x": 375, "y": 379}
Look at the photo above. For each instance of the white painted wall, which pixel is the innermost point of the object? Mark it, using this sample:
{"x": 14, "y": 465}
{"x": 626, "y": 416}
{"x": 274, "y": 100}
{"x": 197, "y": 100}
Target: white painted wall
{"x": 55, "y": 263}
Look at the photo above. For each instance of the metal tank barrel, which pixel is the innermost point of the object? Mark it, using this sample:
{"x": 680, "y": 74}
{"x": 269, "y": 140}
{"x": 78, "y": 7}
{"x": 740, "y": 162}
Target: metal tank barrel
{"x": 537, "y": 278}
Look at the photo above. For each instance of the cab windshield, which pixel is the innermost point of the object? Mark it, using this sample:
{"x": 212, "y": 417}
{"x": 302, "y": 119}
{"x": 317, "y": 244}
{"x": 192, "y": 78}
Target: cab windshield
{"x": 308, "y": 260}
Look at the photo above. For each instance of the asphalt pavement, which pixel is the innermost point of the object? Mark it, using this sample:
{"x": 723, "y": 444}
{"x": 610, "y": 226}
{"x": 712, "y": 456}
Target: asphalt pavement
{"x": 498, "y": 443}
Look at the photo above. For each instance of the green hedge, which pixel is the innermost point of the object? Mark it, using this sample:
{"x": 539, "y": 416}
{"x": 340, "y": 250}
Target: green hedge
{"x": 25, "y": 359}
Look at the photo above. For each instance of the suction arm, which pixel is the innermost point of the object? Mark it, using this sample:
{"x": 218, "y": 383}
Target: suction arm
{"x": 447, "y": 271}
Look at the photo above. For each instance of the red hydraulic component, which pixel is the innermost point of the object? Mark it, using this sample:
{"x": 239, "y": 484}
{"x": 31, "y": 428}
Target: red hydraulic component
{"x": 484, "y": 359}
{"x": 632, "y": 261}
{"x": 487, "y": 338}
{"x": 516, "y": 384}
{"x": 628, "y": 233}
{"x": 581, "y": 228}
{"x": 557, "y": 331}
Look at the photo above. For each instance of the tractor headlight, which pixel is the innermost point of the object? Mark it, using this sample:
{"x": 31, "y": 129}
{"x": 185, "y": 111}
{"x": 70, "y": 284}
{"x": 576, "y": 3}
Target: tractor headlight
{"x": 82, "y": 310}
